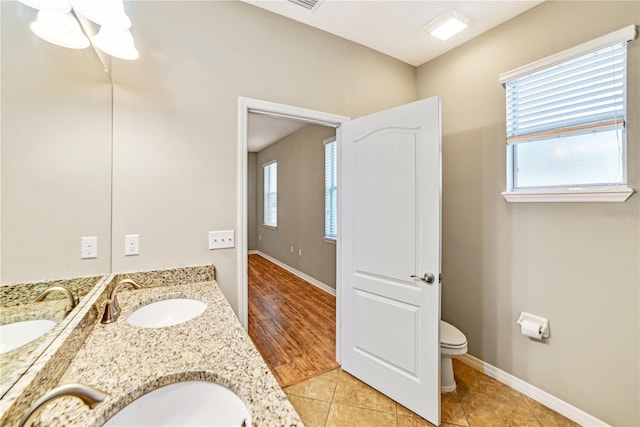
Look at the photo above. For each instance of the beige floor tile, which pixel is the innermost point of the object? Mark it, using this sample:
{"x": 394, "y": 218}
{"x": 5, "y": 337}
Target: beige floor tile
{"x": 492, "y": 408}
{"x": 479, "y": 401}
{"x": 349, "y": 416}
{"x": 353, "y": 392}
{"x": 451, "y": 411}
{"x": 319, "y": 388}
{"x": 546, "y": 416}
{"x": 313, "y": 412}
{"x": 408, "y": 421}
{"x": 404, "y": 411}
{"x": 411, "y": 421}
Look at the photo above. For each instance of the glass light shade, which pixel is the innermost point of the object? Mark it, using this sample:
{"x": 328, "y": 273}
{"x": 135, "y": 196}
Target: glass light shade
{"x": 448, "y": 29}
{"x": 61, "y": 6}
{"x": 61, "y": 29}
{"x": 448, "y": 25}
{"x": 116, "y": 42}
{"x": 103, "y": 12}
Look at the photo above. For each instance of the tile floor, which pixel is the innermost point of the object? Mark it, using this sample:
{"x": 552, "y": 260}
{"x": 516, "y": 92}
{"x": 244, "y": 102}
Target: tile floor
{"x": 339, "y": 399}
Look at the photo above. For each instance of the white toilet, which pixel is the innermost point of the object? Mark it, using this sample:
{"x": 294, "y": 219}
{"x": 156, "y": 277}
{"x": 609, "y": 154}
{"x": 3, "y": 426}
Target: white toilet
{"x": 452, "y": 343}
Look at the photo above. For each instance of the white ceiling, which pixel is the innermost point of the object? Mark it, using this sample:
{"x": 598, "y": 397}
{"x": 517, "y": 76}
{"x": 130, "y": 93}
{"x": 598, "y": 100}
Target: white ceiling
{"x": 265, "y": 130}
{"x": 393, "y": 27}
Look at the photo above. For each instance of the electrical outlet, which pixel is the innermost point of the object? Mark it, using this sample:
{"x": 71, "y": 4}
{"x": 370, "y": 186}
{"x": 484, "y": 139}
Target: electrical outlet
{"x": 221, "y": 239}
{"x": 89, "y": 247}
{"x": 299, "y": 252}
{"x": 131, "y": 244}
{"x": 291, "y": 249}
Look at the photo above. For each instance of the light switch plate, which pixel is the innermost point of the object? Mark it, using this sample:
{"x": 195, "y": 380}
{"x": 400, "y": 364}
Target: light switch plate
{"x": 221, "y": 239}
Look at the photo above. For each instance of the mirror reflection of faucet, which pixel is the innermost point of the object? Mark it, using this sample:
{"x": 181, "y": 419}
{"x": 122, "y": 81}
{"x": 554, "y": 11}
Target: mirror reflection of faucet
{"x": 112, "y": 308}
{"x": 73, "y": 301}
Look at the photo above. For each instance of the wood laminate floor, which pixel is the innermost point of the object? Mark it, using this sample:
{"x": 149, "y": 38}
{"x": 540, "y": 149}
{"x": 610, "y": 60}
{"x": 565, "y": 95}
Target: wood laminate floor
{"x": 292, "y": 323}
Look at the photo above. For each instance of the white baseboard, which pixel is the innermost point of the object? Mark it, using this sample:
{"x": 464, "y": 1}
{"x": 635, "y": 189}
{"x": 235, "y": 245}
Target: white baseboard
{"x": 328, "y": 289}
{"x": 548, "y": 400}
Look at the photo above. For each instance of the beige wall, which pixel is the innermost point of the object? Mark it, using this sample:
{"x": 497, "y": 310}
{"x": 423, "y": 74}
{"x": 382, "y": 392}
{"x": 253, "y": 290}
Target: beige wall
{"x": 577, "y": 264}
{"x": 300, "y": 158}
{"x": 175, "y": 116}
{"x": 56, "y": 155}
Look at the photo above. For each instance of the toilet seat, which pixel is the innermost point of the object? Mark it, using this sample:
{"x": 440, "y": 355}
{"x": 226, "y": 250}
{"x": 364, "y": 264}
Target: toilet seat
{"x": 452, "y": 343}
{"x": 451, "y": 337}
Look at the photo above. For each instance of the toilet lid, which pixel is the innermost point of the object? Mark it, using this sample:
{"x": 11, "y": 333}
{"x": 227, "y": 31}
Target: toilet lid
{"x": 451, "y": 336}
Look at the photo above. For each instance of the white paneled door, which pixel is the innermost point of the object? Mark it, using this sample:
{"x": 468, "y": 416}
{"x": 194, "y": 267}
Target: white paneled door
{"x": 389, "y": 253}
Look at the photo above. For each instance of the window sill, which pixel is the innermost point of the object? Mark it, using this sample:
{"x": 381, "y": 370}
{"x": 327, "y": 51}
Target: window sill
{"x": 272, "y": 227}
{"x": 616, "y": 195}
{"x": 330, "y": 239}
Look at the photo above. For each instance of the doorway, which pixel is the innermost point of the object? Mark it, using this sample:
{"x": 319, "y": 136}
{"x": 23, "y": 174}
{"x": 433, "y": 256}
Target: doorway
{"x": 248, "y": 106}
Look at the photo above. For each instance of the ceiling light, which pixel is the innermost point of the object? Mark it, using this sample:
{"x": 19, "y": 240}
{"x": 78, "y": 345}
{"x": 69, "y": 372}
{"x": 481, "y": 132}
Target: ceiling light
{"x": 61, "y": 6}
{"x": 103, "y": 12}
{"x": 448, "y": 25}
{"x": 116, "y": 42}
{"x": 61, "y": 29}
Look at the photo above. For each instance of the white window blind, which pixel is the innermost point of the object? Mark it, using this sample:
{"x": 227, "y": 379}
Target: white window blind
{"x": 584, "y": 94}
{"x": 330, "y": 190}
{"x": 271, "y": 194}
{"x": 565, "y": 123}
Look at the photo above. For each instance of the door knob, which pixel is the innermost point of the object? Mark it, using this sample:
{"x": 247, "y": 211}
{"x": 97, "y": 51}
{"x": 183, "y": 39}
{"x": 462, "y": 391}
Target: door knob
{"x": 428, "y": 277}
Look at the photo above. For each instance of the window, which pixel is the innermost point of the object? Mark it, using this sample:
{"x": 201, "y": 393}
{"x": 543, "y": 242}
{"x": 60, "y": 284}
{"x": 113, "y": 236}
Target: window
{"x": 330, "y": 190}
{"x": 271, "y": 194}
{"x": 565, "y": 121}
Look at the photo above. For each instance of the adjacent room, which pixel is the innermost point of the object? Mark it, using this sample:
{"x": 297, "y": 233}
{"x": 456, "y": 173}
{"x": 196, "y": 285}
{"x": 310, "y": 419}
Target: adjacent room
{"x": 346, "y": 219}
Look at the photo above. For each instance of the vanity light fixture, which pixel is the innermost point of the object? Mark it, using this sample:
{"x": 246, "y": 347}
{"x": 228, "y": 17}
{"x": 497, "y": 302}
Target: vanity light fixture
{"x": 57, "y": 24}
{"x": 116, "y": 42}
{"x": 114, "y": 37}
{"x": 59, "y": 28}
{"x": 103, "y": 12}
{"x": 61, "y": 6}
{"x": 448, "y": 25}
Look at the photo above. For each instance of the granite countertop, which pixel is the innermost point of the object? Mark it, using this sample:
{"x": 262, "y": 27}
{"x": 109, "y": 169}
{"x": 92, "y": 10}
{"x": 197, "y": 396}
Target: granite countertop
{"x": 127, "y": 361}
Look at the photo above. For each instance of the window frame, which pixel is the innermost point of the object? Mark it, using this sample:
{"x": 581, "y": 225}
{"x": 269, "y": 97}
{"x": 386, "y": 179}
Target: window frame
{"x": 330, "y": 238}
{"x": 594, "y": 193}
{"x": 266, "y": 175}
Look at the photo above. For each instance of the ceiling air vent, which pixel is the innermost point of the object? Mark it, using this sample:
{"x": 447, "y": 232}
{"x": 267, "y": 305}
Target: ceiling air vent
{"x": 307, "y": 4}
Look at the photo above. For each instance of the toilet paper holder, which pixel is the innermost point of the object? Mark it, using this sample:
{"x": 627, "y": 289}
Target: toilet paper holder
{"x": 533, "y": 326}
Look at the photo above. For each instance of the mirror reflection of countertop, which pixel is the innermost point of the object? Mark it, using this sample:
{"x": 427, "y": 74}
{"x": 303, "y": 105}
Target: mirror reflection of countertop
{"x": 126, "y": 361}
{"x": 17, "y": 304}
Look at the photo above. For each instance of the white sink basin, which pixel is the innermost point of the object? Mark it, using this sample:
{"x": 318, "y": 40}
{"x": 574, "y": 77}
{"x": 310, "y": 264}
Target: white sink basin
{"x": 166, "y": 313}
{"x": 14, "y": 335}
{"x": 189, "y": 403}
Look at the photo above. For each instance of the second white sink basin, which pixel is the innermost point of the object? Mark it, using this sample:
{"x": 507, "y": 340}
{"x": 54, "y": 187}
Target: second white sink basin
{"x": 189, "y": 403}
{"x": 166, "y": 313}
{"x": 14, "y": 335}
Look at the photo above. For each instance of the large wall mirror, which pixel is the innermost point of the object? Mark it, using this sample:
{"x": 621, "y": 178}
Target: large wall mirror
{"x": 55, "y": 165}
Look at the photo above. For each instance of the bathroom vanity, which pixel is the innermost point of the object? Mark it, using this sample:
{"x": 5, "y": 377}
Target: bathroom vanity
{"x": 128, "y": 361}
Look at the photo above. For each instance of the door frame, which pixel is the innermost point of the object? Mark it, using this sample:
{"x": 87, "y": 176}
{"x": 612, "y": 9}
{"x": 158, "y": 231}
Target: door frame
{"x": 273, "y": 109}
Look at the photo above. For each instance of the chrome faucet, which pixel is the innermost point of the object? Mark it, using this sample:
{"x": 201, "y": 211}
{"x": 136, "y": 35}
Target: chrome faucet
{"x": 112, "y": 308}
{"x": 89, "y": 395}
{"x": 72, "y": 300}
